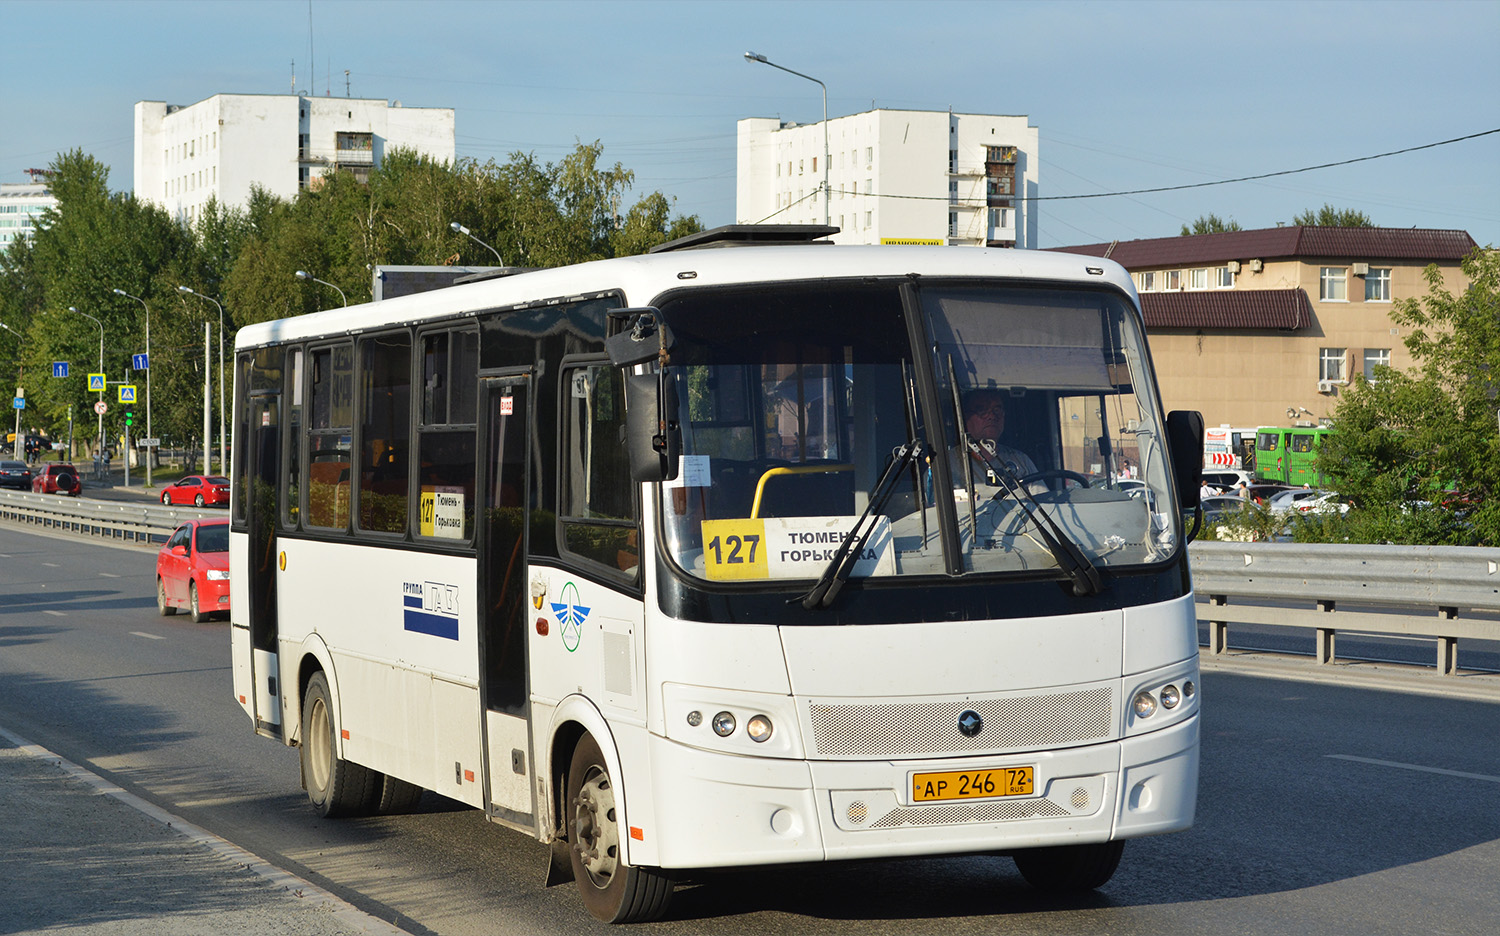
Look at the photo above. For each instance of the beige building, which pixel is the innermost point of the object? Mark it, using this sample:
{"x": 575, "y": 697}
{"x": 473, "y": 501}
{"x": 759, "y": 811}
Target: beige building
{"x": 1266, "y": 328}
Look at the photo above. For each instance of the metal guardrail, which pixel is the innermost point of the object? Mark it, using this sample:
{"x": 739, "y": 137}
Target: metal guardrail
{"x": 1435, "y": 587}
{"x": 116, "y": 520}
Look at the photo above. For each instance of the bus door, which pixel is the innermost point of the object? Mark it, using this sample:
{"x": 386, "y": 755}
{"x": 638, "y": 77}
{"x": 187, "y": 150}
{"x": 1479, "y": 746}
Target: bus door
{"x": 504, "y": 440}
{"x": 264, "y": 464}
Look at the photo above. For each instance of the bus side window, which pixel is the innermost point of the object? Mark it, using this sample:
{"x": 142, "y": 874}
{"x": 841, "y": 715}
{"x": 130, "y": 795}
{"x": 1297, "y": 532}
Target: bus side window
{"x": 598, "y": 512}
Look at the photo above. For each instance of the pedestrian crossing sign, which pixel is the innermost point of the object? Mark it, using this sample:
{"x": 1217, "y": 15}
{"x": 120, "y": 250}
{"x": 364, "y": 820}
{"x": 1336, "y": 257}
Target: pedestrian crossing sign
{"x": 127, "y": 393}
{"x": 96, "y": 383}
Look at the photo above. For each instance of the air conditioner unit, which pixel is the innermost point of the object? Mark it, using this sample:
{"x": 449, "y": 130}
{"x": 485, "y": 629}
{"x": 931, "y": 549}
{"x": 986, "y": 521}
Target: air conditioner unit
{"x": 1361, "y": 269}
{"x": 1233, "y": 266}
{"x": 1326, "y": 386}
{"x": 1256, "y": 266}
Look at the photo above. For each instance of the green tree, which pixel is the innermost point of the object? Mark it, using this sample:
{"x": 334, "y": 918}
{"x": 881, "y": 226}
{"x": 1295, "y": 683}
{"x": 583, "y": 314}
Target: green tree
{"x": 1329, "y": 216}
{"x": 1211, "y": 224}
{"x": 1414, "y": 434}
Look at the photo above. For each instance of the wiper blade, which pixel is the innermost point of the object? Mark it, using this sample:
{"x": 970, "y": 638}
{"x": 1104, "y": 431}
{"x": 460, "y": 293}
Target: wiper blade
{"x": 842, "y": 564}
{"x": 1068, "y": 554}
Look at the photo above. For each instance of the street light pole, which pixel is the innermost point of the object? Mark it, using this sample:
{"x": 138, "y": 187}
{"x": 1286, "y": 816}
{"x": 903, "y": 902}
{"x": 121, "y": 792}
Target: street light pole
{"x": 459, "y": 228}
{"x": 757, "y": 57}
{"x": 19, "y": 441}
{"x": 99, "y": 455}
{"x": 149, "y": 452}
{"x": 304, "y": 275}
{"x": 223, "y": 462}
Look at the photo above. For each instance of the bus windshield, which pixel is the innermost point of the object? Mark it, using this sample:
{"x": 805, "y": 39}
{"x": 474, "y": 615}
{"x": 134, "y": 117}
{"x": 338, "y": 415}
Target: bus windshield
{"x": 1031, "y": 406}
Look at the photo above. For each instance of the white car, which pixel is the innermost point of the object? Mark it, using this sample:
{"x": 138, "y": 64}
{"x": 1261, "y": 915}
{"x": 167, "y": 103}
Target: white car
{"x": 1226, "y": 480}
{"x": 1326, "y": 502}
{"x": 1289, "y": 500}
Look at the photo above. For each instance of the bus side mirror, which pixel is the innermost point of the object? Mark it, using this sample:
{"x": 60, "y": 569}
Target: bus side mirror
{"x": 1185, "y": 447}
{"x": 642, "y": 337}
{"x": 653, "y": 436}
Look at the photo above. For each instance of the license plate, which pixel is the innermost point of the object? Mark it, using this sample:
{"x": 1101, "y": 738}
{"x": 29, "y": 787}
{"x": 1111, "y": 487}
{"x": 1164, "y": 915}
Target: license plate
{"x": 973, "y": 784}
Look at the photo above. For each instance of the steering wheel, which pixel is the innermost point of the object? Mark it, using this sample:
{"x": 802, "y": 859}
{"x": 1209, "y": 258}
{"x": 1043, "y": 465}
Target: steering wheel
{"x": 1055, "y": 473}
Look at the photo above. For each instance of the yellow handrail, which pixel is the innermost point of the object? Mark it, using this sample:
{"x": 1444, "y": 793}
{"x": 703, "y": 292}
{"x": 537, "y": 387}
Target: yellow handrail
{"x": 760, "y": 486}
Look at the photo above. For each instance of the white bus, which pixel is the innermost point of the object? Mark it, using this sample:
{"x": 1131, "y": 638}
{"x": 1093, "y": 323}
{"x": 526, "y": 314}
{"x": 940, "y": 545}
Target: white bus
{"x": 697, "y": 560}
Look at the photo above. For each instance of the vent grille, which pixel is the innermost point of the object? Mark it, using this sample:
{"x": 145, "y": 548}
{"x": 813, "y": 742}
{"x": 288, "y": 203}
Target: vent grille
{"x": 955, "y": 813}
{"x": 923, "y": 729}
{"x": 618, "y": 665}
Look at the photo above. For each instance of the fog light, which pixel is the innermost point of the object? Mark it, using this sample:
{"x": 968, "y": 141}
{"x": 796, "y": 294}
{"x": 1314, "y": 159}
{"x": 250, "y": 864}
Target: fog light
{"x": 695, "y": 719}
{"x": 758, "y": 728}
{"x": 723, "y": 724}
{"x": 1169, "y": 697}
{"x": 1144, "y": 704}
{"x": 1189, "y": 690}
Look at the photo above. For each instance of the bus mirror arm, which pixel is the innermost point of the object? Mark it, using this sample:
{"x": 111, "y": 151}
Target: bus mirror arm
{"x": 644, "y": 337}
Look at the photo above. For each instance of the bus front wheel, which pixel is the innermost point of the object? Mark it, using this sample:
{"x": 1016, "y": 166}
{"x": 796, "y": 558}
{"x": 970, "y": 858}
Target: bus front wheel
{"x": 612, "y": 890}
{"x": 335, "y": 786}
{"x": 1070, "y": 868}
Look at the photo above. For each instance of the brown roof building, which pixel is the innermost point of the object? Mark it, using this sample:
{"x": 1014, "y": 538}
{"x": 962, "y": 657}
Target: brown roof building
{"x": 1263, "y": 328}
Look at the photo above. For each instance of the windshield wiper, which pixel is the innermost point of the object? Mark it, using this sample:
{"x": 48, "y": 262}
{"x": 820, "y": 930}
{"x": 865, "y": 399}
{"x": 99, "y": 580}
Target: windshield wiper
{"x": 842, "y": 564}
{"x": 1069, "y": 556}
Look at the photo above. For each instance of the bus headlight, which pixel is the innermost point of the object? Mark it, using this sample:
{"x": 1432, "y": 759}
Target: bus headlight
{"x": 1169, "y": 697}
{"x": 1144, "y": 704}
{"x": 758, "y": 728}
{"x": 724, "y": 724}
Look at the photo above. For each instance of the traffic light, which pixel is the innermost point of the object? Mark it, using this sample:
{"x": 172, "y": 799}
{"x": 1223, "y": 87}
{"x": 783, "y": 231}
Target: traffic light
{"x": 129, "y": 418}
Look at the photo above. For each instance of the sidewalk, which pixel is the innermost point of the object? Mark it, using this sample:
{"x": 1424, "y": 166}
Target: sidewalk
{"x": 79, "y": 854}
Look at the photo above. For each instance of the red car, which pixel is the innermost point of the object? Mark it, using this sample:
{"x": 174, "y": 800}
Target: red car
{"x": 56, "y": 478}
{"x": 198, "y": 490}
{"x": 192, "y": 570}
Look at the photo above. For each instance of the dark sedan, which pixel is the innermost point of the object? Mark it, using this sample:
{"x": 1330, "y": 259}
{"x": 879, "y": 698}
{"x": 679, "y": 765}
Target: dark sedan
{"x": 15, "y": 474}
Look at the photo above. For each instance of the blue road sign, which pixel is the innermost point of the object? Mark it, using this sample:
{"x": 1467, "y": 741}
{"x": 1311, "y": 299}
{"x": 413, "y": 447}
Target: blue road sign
{"x": 59, "y": 368}
{"x": 19, "y": 402}
{"x": 138, "y": 361}
{"x": 96, "y": 382}
{"x": 127, "y": 393}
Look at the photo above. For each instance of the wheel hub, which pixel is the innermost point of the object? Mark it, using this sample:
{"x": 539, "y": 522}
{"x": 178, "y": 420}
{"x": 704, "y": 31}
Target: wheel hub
{"x": 596, "y": 834}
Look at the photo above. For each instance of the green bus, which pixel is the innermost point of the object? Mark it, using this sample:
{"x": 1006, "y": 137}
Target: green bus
{"x": 1287, "y": 455}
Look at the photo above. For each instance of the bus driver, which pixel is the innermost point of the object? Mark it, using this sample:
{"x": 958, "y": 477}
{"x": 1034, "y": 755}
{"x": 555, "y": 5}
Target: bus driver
{"x": 984, "y": 421}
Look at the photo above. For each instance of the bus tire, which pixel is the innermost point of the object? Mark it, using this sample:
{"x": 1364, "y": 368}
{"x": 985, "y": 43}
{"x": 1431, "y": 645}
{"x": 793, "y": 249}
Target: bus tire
{"x": 611, "y": 890}
{"x": 162, "y": 608}
{"x": 397, "y": 796}
{"x": 1070, "y": 868}
{"x": 336, "y": 787}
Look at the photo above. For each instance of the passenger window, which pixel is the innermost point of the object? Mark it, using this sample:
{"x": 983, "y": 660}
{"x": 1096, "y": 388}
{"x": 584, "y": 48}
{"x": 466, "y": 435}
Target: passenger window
{"x": 598, "y": 507}
{"x": 329, "y": 436}
{"x": 446, "y": 433}
{"x": 385, "y": 432}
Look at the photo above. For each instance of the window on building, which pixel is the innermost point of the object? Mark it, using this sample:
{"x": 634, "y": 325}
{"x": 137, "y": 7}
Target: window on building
{"x": 1331, "y": 364}
{"x": 1378, "y": 285}
{"x": 1333, "y": 284}
{"x": 778, "y": 169}
{"x": 799, "y": 167}
{"x": 1376, "y": 357}
{"x": 1198, "y": 279}
{"x": 952, "y": 224}
{"x": 815, "y": 164}
{"x": 869, "y": 186}
{"x": 1148, "y": 281}
{"x": 869, "y": 220}
{"x": 953, "y": 160}
{"x": 1224, "y": 278}
{"x": 1174, "y": 279}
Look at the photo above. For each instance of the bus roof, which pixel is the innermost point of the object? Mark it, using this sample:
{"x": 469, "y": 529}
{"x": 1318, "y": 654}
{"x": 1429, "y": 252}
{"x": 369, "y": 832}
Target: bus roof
{"x": 642, "y": 278}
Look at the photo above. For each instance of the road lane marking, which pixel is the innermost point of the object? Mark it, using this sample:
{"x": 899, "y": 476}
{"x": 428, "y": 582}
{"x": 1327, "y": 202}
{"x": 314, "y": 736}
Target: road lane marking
{"x": 108, "y": 575}
{"x": 146, "y": 635}
{"x": 1437, "y": 770}
{"x": 52, "y": 565}
{"x": 341, "y": 910}
{"x": 55, "y": 613}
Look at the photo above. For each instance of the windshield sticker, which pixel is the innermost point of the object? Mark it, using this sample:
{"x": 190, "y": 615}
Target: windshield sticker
{"x": 431, "y": 608}
{"x": 442, "y": 512}
{"x": 692, "y": 471}
{"x": 570, "y": 616}
{"x": 789, "y": 547}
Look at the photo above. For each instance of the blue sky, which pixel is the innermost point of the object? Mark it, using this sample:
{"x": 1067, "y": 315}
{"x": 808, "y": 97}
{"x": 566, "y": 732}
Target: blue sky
{"x": 1125, "y": 95}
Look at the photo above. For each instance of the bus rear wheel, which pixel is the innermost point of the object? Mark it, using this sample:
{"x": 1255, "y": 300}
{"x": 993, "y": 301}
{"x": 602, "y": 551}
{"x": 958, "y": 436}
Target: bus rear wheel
{"x": 611, "y": 890}
{"x": 335, "y": 786}
{"x": 1070, "y": 868}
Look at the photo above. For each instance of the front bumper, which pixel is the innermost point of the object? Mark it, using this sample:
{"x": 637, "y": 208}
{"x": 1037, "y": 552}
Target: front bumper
{"x": 774, "y": 811}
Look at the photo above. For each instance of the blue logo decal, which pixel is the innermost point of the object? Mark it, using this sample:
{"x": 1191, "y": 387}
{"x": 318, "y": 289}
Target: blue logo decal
{"x": 570, "y": 616}
{"x": 430, "y": 608}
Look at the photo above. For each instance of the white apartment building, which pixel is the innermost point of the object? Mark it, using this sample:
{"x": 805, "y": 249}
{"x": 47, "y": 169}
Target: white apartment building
{"x": 894, "y": 176}
{"x": 222, "y": 145}
{"x": 21, "y": 205}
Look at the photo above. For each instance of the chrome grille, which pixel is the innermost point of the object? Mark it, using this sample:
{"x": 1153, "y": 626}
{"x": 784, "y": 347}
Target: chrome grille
{"x": 898, "y": 729}
{"x": 954, "y": 813}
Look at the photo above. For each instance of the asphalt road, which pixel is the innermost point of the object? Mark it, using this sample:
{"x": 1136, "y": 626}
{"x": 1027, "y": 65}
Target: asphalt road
{"x": 1322, "y": 808}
